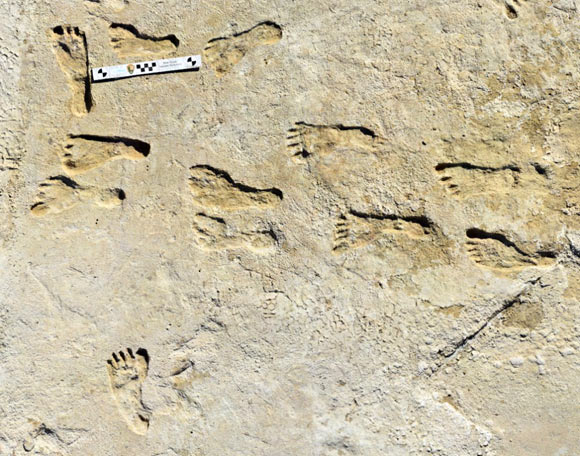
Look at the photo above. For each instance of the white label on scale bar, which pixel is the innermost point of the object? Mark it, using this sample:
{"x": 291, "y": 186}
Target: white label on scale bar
{"x": 190, "y": 62}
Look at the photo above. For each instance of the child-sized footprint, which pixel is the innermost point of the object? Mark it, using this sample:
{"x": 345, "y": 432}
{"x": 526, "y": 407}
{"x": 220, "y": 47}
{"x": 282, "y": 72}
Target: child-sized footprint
{"x": 58, "y": 194}
{"x": 70, "y": 47}
{"x": 223, "y": 53}
{"x": 127, "y": 372}
{"x": 495, "y": 251}
{"x": 464, "y": 180}
{"x": 80, "y": 153}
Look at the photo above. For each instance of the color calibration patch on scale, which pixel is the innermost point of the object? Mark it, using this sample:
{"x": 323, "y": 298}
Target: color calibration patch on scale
{"x": 109, "y": 73}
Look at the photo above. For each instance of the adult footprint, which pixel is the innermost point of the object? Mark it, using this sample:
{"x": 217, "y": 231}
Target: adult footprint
{"x": 215, "y": 188}
{"x": 127, "y": 372}
{"x": 305, "y": 140}
{"x": 223, "y": 53}
{"x": 79, "y": 154}
{"x": 58, "y": 194}
{"x": 127, "y": 41}
{"x": 70, "y": 47}
{"x": 214, "y": 233}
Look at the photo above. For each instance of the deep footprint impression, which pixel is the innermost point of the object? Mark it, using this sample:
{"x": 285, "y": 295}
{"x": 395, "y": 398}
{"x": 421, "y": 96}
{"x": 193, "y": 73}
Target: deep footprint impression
{"x": 58, "y": 194}
{"x": 81, "y": 153}
{"x": 223, "y": 53}
{"x": 127, "y": 372}
{"x": 70, "y": 47}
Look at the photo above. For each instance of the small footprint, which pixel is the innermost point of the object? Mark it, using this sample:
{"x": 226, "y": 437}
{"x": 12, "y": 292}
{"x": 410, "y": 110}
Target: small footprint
{"x": 214, "y": 233}
{"x": 70, "y": 46}
{"x": 81, "y": 153}
{"x": 495, "y": 251}
{"x": 44, "y": 440}
{"x": 464, "y": 179}
{"x": 127, "y": 372}
{"x": 305, "y": 140}
{"x": 355, "y": 230}
{"x": 58, "y": 194}
{"x": 223, "y": 53}
{"x": 127, "y": 41}
{"x": 215, "y": 188}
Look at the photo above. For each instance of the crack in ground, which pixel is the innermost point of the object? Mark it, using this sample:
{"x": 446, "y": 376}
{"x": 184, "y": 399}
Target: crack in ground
{"x": 445, "y": 355}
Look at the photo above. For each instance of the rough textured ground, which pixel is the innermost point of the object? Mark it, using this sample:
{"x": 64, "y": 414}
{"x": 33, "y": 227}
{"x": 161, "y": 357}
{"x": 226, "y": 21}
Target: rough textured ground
{"x": 356, "y": 231}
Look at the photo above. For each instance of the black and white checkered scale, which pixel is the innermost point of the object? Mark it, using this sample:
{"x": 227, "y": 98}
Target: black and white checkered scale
{"x": 142, "y": 68}
{"x": 145, "y": 67}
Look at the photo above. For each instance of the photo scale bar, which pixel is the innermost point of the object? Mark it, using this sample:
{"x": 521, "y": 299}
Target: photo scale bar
{"x": 110, "y": 73}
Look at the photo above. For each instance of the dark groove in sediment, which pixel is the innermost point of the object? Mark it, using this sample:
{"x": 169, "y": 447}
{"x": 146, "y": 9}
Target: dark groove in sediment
{"x": 425, "y": 222}
{"x": 133, "y": 30}
{"x": 140, "y": 146}
{"x": 242, "y": 187}
{"x": 469, "y": 166}
{"x": 451, "y": 351}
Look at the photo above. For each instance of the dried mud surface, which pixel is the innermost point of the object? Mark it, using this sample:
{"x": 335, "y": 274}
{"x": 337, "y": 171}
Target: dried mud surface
{"x": 355, "y": 231}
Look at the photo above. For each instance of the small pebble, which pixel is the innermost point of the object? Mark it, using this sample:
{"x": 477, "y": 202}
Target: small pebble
{"x": 422, "y": 367}
{"x": 517, "y": 361}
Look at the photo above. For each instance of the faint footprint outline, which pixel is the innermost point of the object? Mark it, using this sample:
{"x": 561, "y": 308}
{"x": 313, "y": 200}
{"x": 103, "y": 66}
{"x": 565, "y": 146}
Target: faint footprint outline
{"x": 355, "y": 230}
{"x": 306, "y": 140}
{"x": 462, "y": 178}
{"x": 127, "y": 41}
{"x": 215, "y": 233}
{"x": 223, "y": 53}
{"x": 60, "y": 193}
{"x": 43, "y": 439}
